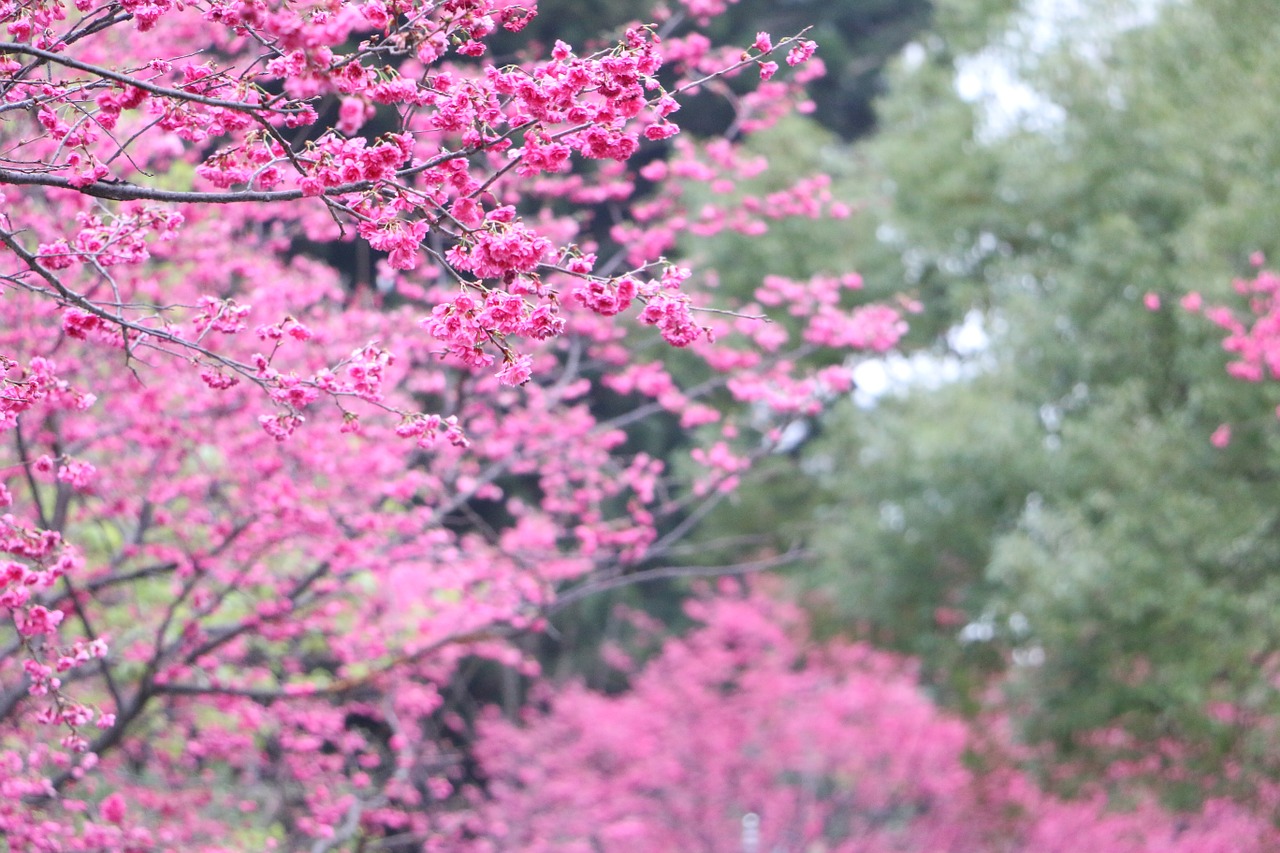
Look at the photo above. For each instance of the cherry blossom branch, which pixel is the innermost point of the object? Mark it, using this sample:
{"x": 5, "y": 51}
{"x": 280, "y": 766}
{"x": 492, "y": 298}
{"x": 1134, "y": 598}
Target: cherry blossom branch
{"x": 124, "y": 79}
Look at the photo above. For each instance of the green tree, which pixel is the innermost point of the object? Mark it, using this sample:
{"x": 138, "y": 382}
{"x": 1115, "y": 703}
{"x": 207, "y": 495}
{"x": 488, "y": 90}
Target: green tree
{"x": 1068, "y": 499}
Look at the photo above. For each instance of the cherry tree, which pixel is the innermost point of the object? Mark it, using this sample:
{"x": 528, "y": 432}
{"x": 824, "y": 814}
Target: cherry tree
{"x": 305, "y": 307}
{"x": 747, "y": 735}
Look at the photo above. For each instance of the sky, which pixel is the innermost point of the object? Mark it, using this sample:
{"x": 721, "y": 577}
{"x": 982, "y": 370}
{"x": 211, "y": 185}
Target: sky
{"x": 991, "y": 77}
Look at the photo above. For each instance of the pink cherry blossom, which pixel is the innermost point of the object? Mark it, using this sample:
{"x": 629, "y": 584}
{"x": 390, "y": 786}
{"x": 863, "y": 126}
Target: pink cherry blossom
{"x": 307, "y": 313}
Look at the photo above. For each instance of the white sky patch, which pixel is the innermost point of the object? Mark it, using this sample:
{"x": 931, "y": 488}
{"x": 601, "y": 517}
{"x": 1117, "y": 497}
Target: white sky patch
{"x": 899, "y": 374}
{"x": 991, "y": 78}
{"x": 1008, "y": 103}
{"x": 970, "y": 338}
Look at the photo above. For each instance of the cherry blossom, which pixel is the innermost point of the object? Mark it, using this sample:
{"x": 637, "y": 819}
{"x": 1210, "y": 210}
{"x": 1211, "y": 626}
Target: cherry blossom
{"x": 305, "y": 309}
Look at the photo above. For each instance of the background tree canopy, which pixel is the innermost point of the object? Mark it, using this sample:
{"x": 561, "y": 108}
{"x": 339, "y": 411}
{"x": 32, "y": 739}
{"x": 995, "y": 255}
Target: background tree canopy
{"x": 1061, "y": 513}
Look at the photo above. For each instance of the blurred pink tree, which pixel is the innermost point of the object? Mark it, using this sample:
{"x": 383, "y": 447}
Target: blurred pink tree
{"x": 817, "y": 746}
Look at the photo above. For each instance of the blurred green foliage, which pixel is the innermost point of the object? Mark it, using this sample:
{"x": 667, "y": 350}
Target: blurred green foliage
{"x": 1114, "y": 565}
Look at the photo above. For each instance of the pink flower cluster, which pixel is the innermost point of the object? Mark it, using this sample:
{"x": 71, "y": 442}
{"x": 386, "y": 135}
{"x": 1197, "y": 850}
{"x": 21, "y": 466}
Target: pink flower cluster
{"x": 500, "y": 248}
{"x": 1254, "y": 340}
{"x": 670, "y": 313}
{"x": 42, "y": 561}
{"x": 24, "y": 388}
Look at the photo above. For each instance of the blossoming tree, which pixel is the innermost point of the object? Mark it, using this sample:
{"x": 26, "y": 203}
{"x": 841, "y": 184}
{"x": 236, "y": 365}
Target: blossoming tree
{"x": 257, "y": 504}
{"x": 746, "y": 735}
